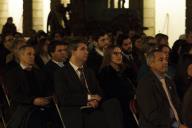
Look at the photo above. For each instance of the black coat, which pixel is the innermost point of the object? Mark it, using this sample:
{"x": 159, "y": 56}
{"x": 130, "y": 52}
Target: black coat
{"x": 187, "y": 108}
{"x": 115, "y": 84}
{"x": 3, "y": 53}
{"x": 49, "y": 70}
{"x": 153, "y": 104}
{"x": 23, "y": 87}
{"x": 94, "y": 61}
{"x": 39, "y": 62}
{"x": 118, "y": 85}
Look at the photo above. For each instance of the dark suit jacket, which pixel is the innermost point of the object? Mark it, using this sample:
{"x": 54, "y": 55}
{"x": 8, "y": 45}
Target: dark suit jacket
{"x": 72, "y": 94}
{"x": 51, "y": 67}
{"x": 39, "y": 62}
{"x": 118, "y": 85}
{"x": 49, "y": 70}
{"x": 3, "y": 53}
{"x": 187, "y": 108}
{"x": 94, "y": 61}
{"x": 115, "y": 84}
{"x": 153, "y": 104}
{"x": 22, "y": 93}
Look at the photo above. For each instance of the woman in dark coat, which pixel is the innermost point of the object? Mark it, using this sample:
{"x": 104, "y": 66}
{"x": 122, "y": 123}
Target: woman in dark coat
{"x": 42, "y": 56}
{"x": 183, "y": 75}
{"x": 187, "y": 108}
{"x": 115, "y": 83}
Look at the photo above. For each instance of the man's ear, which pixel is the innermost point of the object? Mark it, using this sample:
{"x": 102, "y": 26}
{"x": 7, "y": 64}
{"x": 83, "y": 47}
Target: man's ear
{"x": 151, "y": 63}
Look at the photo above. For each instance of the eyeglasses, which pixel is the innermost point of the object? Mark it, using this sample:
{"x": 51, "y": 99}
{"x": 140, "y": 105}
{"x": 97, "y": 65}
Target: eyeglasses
{"x": 117, "y": 53}
{"x": 10, "y": 39}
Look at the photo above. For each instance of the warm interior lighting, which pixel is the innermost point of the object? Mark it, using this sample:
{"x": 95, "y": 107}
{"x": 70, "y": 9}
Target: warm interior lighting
{"x": 126, "y": 5}
{"x": 170, "y": 18}
{"x": 15, "y": 10}
{"x": 46, "y": 10}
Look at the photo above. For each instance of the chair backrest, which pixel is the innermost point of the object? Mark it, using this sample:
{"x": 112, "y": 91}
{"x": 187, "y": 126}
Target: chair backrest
{"x": 5, "y": 93}
{"x": 134, "y": 110}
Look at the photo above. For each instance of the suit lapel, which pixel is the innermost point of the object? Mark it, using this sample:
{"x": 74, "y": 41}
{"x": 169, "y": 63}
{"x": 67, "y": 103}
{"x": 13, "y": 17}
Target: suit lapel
{"x": 54, "y": 65}
{"x": 74, "y": 76}
{"x": 22, "y": 78}
{"x": 160, "y": 87}
{"x": 170, "y": 89}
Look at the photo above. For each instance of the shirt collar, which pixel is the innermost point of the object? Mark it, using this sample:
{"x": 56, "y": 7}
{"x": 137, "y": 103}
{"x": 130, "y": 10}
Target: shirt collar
{"x": 159, "y": 76}
{"x": 99, "y": 51}
{"x": 24, "y": 67}
{"x": 74, "y": 66}
{"x": 60, "y": 64}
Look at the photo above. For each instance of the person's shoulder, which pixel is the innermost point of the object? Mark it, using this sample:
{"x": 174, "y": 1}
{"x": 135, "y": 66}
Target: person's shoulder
{"x": 63, "y": 69}
{"x": 148, "y": 78}
{"x": 107, "y": 69}
{"x": 92, "y": 52}
{"x": 13, "y": 71}
{"x": 49, "y": 64}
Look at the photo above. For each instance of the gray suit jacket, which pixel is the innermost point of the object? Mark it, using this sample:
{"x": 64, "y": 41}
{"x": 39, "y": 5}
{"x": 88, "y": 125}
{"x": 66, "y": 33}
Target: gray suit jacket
{"x": 153, "y": 104}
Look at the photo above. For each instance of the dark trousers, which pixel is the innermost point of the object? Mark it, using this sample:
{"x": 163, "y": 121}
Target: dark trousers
{"x": 44, "y": 118}
{"x": 108, "y": 115}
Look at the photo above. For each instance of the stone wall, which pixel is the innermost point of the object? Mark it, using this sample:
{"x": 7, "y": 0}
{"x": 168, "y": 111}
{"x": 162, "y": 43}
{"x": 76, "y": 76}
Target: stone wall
{"x": 3, "y": 12}
{"x": 149, "y": 16}
{"x": 37, "y": 14}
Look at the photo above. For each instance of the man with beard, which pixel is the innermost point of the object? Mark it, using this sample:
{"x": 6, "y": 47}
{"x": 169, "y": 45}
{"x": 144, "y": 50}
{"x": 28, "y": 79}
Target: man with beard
{"x": 129, "y": 58}
{"x": 96, "y": 54}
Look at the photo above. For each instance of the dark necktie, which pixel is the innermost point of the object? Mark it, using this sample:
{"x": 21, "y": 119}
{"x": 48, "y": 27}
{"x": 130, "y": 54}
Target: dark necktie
{"x": 81, "y": 77}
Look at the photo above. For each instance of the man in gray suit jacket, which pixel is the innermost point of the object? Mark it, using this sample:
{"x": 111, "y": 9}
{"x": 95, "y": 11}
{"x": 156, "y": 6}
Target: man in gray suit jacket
{"x": 156, "y": 96}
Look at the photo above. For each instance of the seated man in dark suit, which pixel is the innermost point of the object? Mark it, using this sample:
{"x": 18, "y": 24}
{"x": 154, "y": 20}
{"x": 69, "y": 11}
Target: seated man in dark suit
{"x": 96, "y": 54}
{"x": 59, "y": 56}
{"x": 156, "y": 95}
{"x": 79, "y": 95}
{"x": 26, "y": 86}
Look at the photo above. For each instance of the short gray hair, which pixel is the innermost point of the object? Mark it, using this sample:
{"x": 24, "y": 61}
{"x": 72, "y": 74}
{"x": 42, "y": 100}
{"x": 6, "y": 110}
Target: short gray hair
{"x": 22, "y": 49}
{"x": 151, "y": 55}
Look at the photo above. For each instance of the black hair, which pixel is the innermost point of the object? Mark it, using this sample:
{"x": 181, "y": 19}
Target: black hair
{"x": 74, "y": 44}
{"x": 98, "y": 34}
{"x": 53, "y": 45}
{"x": 121, "y": 38}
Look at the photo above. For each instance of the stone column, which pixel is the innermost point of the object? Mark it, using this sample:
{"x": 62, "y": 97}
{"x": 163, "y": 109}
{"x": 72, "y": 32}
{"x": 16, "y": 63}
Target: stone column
{"x": 149, "y": 17}
{"x": 3, "y": 12}
{"x": 37, "y": 14}
{"x": 27, "y": 16}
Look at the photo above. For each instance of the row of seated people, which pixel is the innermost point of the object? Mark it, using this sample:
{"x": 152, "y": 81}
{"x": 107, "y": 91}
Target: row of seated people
{"x": 116, "y": 81}
{"x": 82, "y": 104}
